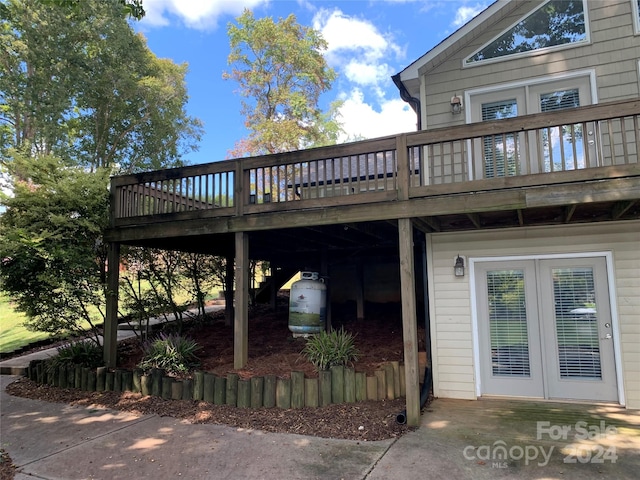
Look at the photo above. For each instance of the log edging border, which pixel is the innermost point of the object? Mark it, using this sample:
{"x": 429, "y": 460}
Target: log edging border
{"x": 334, "y": 386}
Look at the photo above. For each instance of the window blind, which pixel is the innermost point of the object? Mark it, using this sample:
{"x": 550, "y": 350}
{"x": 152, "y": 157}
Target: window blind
{"x": 508, "y": 323}
{"x": 576, "y": 322}
{"x": 500, "y": 151}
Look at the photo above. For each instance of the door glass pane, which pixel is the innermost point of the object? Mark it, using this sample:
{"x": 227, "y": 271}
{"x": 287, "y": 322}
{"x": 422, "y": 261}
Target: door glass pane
{"x": 576, "y": 319}
{"x": 508, "y": 323}
{"x": 563, "y": 146}
{"x": 500, "y": 152}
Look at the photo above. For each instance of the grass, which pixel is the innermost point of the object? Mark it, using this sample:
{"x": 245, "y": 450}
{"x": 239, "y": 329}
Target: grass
{"x": 13, "y": 334}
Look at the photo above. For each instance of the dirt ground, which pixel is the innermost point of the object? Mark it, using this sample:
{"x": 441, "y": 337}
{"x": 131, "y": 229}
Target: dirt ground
{"x": 272, "y": 350}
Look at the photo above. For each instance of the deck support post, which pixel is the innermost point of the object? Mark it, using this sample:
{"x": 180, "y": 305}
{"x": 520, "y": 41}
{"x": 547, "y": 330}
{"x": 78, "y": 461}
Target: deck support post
{"x": 228, "y": 290}
{"x": 241, "y": 311}
{"x": 110, "y": 333}
{"x": 409, "y": 320}
{"x": 359, "y": 290}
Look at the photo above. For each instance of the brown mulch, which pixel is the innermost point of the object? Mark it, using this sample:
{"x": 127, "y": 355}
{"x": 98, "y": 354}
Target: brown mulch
{"x": 272, "y": 350}
{"x": 7, "y": 469}
{"x": 377, "y": 419}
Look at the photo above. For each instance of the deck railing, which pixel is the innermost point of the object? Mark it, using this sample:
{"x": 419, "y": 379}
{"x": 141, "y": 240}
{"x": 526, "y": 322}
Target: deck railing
{"x": 419, "y": 163}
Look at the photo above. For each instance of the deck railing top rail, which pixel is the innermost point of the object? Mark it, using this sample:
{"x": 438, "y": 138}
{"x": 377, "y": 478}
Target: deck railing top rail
{"x": 388, "y": 168}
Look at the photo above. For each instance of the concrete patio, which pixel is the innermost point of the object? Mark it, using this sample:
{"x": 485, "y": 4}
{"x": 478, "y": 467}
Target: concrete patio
{"x": 457, "y": 439}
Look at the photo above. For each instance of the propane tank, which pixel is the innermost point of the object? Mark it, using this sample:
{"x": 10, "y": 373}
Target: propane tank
{"x": 307, "y": 305}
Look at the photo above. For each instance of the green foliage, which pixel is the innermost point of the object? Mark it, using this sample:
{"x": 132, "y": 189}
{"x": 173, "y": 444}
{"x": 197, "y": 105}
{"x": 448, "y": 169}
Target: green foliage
{"x": 79, "y": 83}
{"x": 172, "y": 353}
{"x": 53, "y": 259}
{"x": 161, "y": 282}
{"x": 85, "y": 354}
{"x": 130, "y": 8}
{"x": 326, "y": 349}
{"x": 281, "y": 74}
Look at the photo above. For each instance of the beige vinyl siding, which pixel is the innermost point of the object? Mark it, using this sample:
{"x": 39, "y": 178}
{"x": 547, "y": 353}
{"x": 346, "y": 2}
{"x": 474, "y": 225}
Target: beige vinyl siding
{"x": 613, "y": 52}
{"x": 451, "y": 321}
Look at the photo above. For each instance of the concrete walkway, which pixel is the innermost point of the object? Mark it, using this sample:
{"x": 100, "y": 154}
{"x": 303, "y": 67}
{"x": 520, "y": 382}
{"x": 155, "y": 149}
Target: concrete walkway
{"x": 486, "y": 439}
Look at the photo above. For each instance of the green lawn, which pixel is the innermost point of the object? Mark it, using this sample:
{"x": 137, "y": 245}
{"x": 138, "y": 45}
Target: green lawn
{"x": 13, "y": 334}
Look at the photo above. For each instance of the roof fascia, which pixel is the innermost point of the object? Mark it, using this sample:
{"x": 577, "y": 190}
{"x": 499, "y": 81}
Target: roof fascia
{"x": 412, "y": 71}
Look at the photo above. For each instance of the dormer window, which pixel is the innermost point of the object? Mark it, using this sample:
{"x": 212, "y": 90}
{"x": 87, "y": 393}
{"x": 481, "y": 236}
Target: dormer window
{"x": 554, "y": 24}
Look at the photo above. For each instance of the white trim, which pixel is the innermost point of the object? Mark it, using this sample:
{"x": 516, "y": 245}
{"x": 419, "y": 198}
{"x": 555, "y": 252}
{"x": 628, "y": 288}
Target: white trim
{"x": 615, "y": 328}
{"x": 475, "y": 333}
{"x": 412, "y": 71}
{"x": 435, "y": 374}
{"x": 539, "y": 51}
{"x": 468, "y": 94}
{"x": 635, "y": 11}
{"x": 591, "y": 73}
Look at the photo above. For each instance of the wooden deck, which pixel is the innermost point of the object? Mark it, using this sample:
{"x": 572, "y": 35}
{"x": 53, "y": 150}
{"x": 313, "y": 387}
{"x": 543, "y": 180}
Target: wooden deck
{"x": 369, "y": 200}
{"x": 562, "y": 167}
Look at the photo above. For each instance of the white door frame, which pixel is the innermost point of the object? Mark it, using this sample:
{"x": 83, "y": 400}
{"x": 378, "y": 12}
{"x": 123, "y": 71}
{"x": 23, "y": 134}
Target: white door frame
{"x": 525, "y": 86}
{"x": 608, "y": 256}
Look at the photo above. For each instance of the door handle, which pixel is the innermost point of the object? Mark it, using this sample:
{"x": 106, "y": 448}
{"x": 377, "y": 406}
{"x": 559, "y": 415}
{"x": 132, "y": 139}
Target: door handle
{"x": 607, "y": 337}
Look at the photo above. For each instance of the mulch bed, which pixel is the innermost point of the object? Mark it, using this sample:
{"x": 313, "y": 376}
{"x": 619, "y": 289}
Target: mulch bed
{"x": 364, "y": 421}
{"x": 272, "y": 351}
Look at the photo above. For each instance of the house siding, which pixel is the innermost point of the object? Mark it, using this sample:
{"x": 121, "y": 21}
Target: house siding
{"x": 613, "y": 53}
{"x": 451, "y": 308}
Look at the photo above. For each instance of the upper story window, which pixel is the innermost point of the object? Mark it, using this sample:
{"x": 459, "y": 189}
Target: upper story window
{"x": 555, "y": 23}
{"x": 636, "y": 14}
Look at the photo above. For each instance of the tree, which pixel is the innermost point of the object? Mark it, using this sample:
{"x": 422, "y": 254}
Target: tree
{"x": 155, "y": 283}
{"x": 53, "y": 261}
{"x": 130, "y": 8}
{"x": 281, "y": 75}
{"x": 81, "y": 96}
{"x": 80, "y": 84}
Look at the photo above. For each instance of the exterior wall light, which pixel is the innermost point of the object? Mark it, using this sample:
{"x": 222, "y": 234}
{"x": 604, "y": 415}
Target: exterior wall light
{"x": 458, "y": 268}
{"x": 456, "y": 104}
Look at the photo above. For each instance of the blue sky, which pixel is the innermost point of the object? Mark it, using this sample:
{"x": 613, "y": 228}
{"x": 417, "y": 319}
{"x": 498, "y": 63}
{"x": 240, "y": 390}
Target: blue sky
{"x": 369, "y": 40}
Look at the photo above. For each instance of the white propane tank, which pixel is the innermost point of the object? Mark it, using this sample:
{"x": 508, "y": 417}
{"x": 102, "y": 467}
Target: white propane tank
{"x": 307, "y": 305}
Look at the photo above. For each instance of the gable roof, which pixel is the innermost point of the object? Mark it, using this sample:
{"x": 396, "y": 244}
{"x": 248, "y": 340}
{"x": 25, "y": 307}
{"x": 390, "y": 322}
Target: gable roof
{"x": 408, "y": 80}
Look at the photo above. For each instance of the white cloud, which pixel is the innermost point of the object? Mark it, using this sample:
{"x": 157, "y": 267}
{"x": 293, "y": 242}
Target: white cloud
{"x": 363, "y": 56}
{"x": 466, "y": 13}
{"x": 360, "y": 119}
{"x": 357, "y": 48}
{"x": 369, "y": 74}
{"x": 199, "y": 14}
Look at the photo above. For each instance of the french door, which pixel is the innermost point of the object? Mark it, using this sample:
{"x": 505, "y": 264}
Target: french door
{"x": 569, "y": 147}
{"x": 544, "y": 329}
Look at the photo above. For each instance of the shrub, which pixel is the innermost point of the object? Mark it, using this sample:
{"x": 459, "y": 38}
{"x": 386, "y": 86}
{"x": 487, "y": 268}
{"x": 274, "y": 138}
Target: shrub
{"x": 85, "y": 354}
{"x": 327, "y": 349}
{"x": 172, "y": 353}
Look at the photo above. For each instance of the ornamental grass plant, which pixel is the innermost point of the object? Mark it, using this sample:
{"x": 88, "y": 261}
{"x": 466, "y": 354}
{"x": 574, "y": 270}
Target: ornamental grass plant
{"x": 327, "y": 349}
{"x": 173, "y": 353}
{"x": 82, "y": 353}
